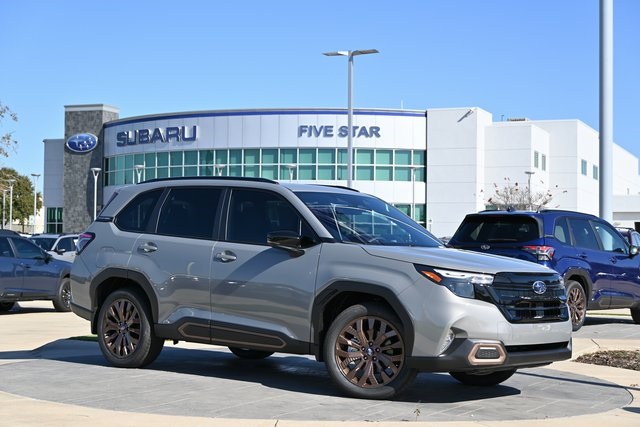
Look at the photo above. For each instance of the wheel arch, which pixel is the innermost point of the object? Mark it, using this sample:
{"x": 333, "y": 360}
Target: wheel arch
{"x": 582, "y": 277}
{"x": 112, "y": 279}
{"x": 340, "y": 295}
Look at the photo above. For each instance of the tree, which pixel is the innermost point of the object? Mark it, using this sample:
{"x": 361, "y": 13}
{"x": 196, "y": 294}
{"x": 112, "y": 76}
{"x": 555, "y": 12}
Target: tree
{"x": 7, "y": 143}
{"x": 22, "y": 196}
{"x": 513, "y": 195}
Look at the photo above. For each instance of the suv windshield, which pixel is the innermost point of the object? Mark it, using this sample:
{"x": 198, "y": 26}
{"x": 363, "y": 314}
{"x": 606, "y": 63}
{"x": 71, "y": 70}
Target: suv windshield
{"x": 496, "y": 229}
{"x": 356, "y": 218}
{"x": 45, "y": 243}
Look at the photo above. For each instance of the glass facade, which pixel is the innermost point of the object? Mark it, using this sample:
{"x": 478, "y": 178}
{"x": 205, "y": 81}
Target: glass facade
{"x": 308, "y": 164}
{"x": 54, "y": 220}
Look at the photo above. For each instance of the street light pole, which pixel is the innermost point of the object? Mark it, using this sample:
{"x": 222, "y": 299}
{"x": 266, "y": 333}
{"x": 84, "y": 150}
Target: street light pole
{"x": 291, "y": 168}
{"x": 96, "y": 172}
{"x": 35, "y": 193}
{"x": 11, "y": 182}
{"x": 413, "y": 193}
{"x": 350, "y": 54}
{"x": 4, "y": 196}
{"x": 529, "y": 173}
{"x": 139, "y": 169}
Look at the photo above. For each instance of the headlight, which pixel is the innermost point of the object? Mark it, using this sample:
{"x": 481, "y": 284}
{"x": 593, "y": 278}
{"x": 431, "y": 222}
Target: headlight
{"x": 461, "y": 283}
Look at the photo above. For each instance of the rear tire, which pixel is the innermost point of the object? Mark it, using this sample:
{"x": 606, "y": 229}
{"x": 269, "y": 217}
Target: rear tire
{"x": 246, "y": 353}
{"x": 125, "y": 331}
{"x": 365, "y": 352}
{"x": 63, "y": 302}
{"x": 483, "y": 380}
{"x": 577, "y": 301}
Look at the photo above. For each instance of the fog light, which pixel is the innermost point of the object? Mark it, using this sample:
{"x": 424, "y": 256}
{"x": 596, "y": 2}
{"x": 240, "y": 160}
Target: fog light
{"x": 447, "y": 341}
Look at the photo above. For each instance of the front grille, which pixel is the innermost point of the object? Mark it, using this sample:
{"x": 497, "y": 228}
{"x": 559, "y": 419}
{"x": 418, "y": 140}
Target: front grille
{"x": 513, "y": 294}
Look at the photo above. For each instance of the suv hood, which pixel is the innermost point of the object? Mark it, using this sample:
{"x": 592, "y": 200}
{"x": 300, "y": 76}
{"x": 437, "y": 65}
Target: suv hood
{"x": 456, "y": 259}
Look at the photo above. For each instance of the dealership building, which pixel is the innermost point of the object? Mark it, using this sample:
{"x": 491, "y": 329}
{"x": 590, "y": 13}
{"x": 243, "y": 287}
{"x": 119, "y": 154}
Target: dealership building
{"x": 435, "y": 165}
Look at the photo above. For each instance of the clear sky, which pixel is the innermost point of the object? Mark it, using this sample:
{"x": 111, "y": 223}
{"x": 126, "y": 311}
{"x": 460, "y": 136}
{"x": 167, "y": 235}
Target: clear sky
{"x": 514, "y": 58}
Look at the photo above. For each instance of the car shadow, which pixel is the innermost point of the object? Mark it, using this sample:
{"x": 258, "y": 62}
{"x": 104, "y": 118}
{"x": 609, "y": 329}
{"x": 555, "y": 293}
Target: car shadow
{"x": 286, "y": 372}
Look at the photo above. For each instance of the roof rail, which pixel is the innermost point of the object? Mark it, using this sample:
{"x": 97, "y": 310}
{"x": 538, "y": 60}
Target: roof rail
{"x": 212, "y": 178}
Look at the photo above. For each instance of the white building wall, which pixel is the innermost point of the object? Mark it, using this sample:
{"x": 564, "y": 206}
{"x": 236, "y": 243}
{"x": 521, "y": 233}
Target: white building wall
{"x": 626, "y": 180}
{"x": 455, "y": 165}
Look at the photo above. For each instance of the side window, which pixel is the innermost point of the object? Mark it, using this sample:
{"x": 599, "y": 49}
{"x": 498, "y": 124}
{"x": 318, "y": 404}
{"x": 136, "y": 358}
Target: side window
{"x": 583, "y": 234}
{"x": 27, "y": 250}
{"x": 635, "y": 238}
{"x": 189, "y": 212}
{"x": 611, "y": 240}
{"x": 5, "y": 248}
{"x": 561, "y": 231}
{"x": 135, "y": 216}
{"x": 67, "y": 244}
{"x": 253, "y": 214}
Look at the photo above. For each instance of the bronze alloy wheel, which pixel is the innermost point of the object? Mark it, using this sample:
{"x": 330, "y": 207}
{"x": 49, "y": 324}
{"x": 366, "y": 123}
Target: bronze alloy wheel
{"x": 577, "y": 302}
{"x": 121, "y": 328}
{"x": 369, "y": 352}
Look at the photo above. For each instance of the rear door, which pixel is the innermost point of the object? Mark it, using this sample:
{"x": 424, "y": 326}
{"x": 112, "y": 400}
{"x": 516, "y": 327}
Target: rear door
{"x": 10, "y": 271}
{"x": 40, "y": 278}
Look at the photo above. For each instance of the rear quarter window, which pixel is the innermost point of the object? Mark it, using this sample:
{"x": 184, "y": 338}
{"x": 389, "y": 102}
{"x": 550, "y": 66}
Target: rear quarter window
{"x": 136, "y": 214}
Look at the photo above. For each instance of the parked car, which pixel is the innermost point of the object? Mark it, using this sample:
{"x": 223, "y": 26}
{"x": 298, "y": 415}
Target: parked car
{"x": 28, "y": 273}
{"x": 599, "y": 267}
{"x": 262, "y": 267}
{"x": 632, "y": 236}
{"x": 60, "y": 246}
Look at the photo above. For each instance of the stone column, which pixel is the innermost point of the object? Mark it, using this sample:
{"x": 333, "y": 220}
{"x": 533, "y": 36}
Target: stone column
{"x": 77, "y": 175}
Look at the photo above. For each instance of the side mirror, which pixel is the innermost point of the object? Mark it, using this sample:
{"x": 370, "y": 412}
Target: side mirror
{"x": 287, "y": 240}
{"x": 633, "y": 251}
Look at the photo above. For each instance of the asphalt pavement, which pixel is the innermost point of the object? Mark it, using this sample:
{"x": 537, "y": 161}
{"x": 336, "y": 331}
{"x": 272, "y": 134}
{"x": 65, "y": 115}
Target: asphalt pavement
{"x": 50, "y": 374}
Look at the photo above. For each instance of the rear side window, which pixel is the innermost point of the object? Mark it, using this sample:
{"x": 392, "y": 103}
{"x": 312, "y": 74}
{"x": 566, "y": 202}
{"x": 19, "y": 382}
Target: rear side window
{"x": 189, "y": 212}
{"x": 498, "y": 229}
{"x": 5, "y": 248}
{"x": 561, "y": 231}
{"x": 136, "y": 215}
{"x": 583, "y": 234}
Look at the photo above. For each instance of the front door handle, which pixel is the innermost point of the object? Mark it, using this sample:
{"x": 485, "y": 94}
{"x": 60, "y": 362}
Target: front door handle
{"x": 148, "y": 247}
{"x": 226, "y": 256}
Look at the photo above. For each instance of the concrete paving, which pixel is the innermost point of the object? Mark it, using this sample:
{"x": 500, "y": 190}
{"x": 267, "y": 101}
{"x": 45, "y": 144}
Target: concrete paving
{"x": 47, "y": 379}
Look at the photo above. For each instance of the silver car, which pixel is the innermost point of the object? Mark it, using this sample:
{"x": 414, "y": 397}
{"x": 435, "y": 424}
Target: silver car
{"x": 262, "y": 267}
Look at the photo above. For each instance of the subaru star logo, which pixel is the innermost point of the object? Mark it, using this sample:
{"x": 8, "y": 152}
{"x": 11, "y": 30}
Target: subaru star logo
{"x": 485, "y": 247}
{"x": 82, "y": 142}
{"x": 539, "y": 287}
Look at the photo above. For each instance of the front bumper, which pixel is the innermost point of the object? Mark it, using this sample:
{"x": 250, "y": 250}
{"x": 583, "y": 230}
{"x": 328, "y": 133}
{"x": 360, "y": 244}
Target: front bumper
{"x": 473, "y": 355}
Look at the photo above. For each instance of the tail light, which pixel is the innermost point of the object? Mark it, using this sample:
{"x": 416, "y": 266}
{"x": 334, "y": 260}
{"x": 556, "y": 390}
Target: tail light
{"x": 83, "y": 240}
{"x": 542, "y": 253}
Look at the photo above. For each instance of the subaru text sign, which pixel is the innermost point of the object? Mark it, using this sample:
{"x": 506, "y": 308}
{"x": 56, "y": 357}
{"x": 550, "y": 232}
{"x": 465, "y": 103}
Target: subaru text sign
{"x": 82, "y": 142}
{"x": 151, "y": 136}
{"x": 329, "y": 131}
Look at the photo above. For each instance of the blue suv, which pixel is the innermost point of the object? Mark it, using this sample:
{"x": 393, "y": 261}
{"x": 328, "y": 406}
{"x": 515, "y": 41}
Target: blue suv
{"x": 601, "y": 270}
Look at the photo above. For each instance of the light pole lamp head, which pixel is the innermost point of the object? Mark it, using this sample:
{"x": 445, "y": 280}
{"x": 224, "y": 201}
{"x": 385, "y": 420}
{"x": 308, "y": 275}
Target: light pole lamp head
{"x": 95, "y": 171}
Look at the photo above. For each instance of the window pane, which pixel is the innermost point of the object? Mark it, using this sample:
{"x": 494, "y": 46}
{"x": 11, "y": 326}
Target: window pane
{"x": 384, "y": 173}
{"x": 189, "y": 212}
{"x": 190, "y": 158}
{"x": 327, "y": 156}
{"x": 418, "y": 158}
{"x": 403, "y": 157}
{"x": 364, "y": 157}
{"x": 163, "y": 172}
{"x": 206, "y": 157}
{"x": 191, "y": 171}
{"x": 405, "y": 209}
{"x": 138, "y": 159}
{"x": 269, "y": 156}
{"x": 419, "y": 174}
{"x": 307, "y": 172}
{"x": 234, "y": 170}
{"x": 221, "y": 157}
{"x": 176, "y": 158}
{"x": 342, "y": 156}
{"x": 235, "y": 157}
{"x": 251, "y": 157}
{"x": 288, "y": 156}
{"x": 342, "y": 172}
{"x": 384, "y": 157}
{"x": 135, "y": 216}
{"x": 150, "y": 160}
{"x": 327, "y": 172}
{"x": 128, "y": 161}
{"x": 149, "y": 173}
{"x": 163, "y": 159}
{"x": 119, "y": 163}
{"x": 364, "y": 173}
{"x": 252, "y": 171}
{"x": 287, "y": 173}
{"x": 206, "y": 170}
{"x": 403, "y": 174}
{"x": 175, "y": 171}
{"x": 307, "y": 156}
{"x": 270, "y": 172}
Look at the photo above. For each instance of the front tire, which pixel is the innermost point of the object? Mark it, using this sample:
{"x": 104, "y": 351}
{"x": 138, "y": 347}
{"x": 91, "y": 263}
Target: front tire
{"x": 365, "y": 352}
{"x": 125, "y": 330}
{"x": 483, "y": 380}
{"x": 6, "y": 306}
{"x": 63, "y": 301}
{"x": 635, "y": 315}
{"x": 577, "y": 301}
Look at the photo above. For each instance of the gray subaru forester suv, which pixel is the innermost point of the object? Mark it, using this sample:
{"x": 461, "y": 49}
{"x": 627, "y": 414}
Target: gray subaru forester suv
{"x": 263, "y": 267}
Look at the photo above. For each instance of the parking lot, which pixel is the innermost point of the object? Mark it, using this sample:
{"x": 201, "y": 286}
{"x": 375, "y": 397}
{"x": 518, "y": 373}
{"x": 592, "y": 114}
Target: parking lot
{"x": 46, "y": 374}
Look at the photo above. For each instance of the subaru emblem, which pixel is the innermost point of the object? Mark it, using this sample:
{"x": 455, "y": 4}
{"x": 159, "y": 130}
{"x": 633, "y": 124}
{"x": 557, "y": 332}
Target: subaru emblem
{"x": 82, "y": 142}
{"x": 485, "y": 247}
{"x": 539, "y": 287}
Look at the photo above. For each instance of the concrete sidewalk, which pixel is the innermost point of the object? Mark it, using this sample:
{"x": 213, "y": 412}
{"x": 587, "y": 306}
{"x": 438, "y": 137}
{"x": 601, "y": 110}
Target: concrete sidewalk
{"x": 44, "y": 372}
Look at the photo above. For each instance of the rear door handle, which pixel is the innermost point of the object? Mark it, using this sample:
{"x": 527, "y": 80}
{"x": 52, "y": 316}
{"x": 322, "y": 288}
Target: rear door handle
{"x": 226, "y": 256}
{"x": 583, "y": 255}
{"x": 148, "y": 247}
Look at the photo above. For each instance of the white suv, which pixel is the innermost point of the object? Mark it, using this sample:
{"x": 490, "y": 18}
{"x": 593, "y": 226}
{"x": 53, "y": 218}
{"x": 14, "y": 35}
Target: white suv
{"x": 261, "y": 266}
{"x": 60, "y": 246}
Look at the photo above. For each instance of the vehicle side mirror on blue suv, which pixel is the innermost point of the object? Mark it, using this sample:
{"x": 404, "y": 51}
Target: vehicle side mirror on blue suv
{"x": 599, "y": 266}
